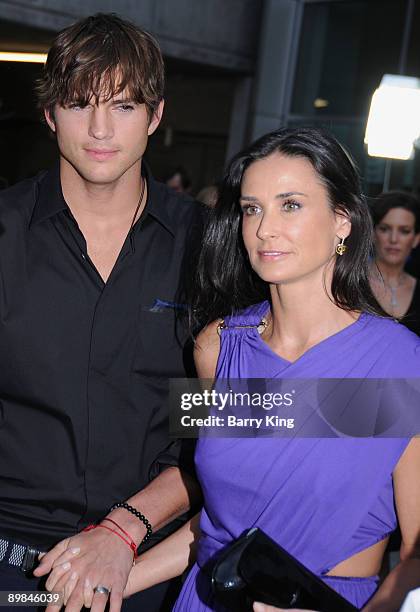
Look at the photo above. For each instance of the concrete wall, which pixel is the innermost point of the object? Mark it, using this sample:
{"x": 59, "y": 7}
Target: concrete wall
{"x": 222, "y": 33}
{"x": 210, "y": 47}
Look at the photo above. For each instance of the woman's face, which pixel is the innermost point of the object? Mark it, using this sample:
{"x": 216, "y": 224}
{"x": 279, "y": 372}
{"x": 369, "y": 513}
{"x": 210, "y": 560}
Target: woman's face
{"x": 395, "y": 237}
{"x": 289, "y": 229}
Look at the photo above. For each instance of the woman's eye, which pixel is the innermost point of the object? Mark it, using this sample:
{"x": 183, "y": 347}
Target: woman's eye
{"x": 249, "y": 210}
{"x": 291, "y": 205}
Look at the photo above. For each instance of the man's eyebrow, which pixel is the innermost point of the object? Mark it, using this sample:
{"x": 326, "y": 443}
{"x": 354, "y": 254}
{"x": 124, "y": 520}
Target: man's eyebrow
{"x": 122, "y": 101}
{"x": 287, "y": 194}
{"x": 77, "y": 100}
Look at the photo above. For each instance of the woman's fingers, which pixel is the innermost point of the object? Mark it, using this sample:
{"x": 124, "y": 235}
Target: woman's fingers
{"x": 57, "y": 573}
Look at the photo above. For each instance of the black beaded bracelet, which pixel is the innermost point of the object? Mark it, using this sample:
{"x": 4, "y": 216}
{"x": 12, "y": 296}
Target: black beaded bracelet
{"x": 139, "y": 515}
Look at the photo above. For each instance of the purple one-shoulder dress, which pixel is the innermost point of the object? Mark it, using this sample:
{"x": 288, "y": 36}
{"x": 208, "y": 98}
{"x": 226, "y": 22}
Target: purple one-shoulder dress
{"x": 323, "y": 499}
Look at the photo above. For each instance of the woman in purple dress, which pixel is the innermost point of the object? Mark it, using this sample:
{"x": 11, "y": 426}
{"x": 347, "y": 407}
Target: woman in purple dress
{"x": 283, "y": 288}
{"x": 284, "y": 281}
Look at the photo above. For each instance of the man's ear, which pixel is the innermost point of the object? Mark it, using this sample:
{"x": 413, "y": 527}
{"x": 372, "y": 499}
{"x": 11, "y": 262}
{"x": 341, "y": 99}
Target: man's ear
{"x": 156, "y": 118}
{"x": 49, "y": 118}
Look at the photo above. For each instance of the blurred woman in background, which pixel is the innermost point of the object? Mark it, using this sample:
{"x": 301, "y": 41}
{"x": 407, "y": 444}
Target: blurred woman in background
{"x": 396, "y": 219}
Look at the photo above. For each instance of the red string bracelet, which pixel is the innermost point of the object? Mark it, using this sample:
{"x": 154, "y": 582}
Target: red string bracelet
{"x": 131, "y": 544}
{"x": 119, "y": 527}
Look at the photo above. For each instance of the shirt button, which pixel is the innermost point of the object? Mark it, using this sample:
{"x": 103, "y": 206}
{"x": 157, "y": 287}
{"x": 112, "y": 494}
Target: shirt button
{"x": 83, "y": 256}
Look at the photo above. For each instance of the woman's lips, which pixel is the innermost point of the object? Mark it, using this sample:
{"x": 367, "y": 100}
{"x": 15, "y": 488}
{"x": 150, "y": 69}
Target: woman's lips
{"x": 272, "y": 255}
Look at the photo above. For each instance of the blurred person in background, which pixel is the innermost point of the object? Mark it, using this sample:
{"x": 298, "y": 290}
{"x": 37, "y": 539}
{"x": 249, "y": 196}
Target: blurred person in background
{"x": 208, "y": 195}
{"x": 179, "y": 180}
{"x": 396, "y": 219}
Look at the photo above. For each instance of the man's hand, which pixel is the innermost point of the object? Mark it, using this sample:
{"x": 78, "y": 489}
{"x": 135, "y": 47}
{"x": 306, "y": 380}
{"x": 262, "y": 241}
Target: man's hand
{"x": 83, "y": 562}
{"x": 100, "y": 558}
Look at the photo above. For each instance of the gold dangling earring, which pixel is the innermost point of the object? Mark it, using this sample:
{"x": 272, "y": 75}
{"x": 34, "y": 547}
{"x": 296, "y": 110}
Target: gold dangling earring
{"x": 341, "y": 248}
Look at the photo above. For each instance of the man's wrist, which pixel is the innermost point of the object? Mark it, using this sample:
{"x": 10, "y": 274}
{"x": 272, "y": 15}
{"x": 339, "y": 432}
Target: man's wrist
{"x": 130, "y": 523}
{"x": 118, "y": 531}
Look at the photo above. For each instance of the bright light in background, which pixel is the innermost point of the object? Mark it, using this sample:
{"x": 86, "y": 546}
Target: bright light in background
{"x": 394, "y": 118}
{"x": 321, "y": 103}
{"x": 12, "y": 56}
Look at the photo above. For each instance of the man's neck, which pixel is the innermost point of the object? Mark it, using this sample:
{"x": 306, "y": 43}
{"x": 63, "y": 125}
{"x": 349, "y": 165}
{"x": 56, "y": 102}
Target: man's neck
{"x": 101, "y": 202}
{"x": 104, "y": 213}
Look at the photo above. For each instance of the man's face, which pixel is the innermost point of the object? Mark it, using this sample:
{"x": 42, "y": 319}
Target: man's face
{"x": 103, "y": 140}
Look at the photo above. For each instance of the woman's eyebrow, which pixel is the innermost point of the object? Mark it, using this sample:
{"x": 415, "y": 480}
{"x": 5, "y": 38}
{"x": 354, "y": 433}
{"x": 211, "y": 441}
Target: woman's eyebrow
{"x": 290, "y": 193}
{"x": 287, "y": 194}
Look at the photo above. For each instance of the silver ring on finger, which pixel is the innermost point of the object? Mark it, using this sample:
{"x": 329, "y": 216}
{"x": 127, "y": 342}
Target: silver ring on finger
{"x": 103, "y": 590}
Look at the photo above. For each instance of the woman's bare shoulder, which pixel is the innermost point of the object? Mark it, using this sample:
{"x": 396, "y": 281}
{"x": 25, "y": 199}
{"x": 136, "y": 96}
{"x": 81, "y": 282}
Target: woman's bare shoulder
{"x": 206, "y": 350}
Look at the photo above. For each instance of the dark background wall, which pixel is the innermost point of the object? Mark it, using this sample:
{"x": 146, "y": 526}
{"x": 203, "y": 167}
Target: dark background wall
{"x": 210, "y": 49}
{"x": 235, "y": 69}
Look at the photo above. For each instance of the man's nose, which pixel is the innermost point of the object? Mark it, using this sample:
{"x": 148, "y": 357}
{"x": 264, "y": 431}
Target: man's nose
{"x": 100, "y": 124}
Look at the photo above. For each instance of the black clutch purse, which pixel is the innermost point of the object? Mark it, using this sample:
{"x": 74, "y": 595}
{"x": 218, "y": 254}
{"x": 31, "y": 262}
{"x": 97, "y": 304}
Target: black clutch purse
{"x": 255, "y": 568}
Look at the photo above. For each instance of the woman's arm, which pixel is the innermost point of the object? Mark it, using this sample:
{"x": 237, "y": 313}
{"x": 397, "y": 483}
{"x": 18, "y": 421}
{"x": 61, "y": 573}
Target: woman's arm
{"x": 406, "y": 575}
{"x": 206, "y": 351}
{"x": 166, "y": 560}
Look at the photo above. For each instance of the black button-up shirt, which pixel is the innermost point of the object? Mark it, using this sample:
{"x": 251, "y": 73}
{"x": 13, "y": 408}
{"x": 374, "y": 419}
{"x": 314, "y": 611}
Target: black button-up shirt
{"x": 83, "y": 363}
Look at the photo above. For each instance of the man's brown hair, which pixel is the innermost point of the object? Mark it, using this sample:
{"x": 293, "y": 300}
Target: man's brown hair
{"x": 99, "y": 57}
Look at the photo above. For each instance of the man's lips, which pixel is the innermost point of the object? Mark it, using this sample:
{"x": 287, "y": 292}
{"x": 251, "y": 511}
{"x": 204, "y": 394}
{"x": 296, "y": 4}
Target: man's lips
{"x": 101, "y": 154}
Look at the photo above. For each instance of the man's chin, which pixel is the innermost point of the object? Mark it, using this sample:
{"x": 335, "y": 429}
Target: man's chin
{"x": 96, "y": 173}
{"x": 100, "y": 175}
{"x": 97, "y": 178}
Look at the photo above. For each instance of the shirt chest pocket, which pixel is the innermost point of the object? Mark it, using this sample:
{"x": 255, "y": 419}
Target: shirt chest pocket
{"x": 161, "y": 336}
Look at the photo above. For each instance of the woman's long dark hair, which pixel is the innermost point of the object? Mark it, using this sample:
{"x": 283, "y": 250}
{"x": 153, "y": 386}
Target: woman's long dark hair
{"x": 225, "y": 281}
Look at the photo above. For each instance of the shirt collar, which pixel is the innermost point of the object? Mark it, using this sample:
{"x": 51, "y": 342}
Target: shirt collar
{"x": 159, "y": 202}
{"x": 50, "y": 200}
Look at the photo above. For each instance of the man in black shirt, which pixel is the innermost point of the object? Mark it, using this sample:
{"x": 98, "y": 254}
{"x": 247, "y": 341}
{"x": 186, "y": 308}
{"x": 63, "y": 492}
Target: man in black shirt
{"x": 91, "y": 256}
